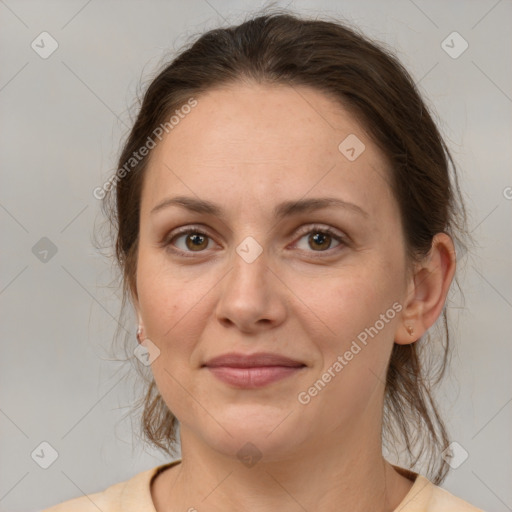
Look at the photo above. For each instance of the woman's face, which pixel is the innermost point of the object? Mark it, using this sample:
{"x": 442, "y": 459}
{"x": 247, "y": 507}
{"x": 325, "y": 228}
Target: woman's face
{"x": 250, "y": 281}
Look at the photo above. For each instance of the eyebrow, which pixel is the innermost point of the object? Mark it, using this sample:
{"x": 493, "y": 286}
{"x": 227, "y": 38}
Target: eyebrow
{"x": 282, "y": 210}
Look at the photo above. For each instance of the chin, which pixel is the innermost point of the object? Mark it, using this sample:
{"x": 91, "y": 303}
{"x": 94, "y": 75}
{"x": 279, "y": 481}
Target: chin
{"x": 253, "y": 431}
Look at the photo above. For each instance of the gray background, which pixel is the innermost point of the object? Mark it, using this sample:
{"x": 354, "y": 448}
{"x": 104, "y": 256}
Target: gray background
{"x": 62, "y": 120}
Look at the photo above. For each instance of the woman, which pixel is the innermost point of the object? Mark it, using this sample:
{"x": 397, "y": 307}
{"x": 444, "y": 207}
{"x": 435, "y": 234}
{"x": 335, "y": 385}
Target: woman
{"x": 285, "y": 218}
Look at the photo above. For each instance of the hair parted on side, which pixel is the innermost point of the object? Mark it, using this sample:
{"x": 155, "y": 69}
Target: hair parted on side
{"x": 283, "y": 48}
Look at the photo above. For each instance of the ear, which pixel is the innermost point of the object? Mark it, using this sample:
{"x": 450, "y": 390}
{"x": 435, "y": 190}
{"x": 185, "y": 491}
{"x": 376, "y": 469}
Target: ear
{"x": 427, "y": 290}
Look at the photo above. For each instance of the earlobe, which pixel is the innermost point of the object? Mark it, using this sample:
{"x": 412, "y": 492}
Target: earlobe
{"x": 140, "y": 329}
{"x": 406, "y": 333}
{"x": 139, "y": 320}
{"x": 140, "y": 334}
{"x": 428, "y": 290}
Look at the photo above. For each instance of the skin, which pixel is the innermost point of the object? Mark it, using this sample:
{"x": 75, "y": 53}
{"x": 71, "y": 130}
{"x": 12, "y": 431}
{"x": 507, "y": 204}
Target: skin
{"x": 249, "y": 147}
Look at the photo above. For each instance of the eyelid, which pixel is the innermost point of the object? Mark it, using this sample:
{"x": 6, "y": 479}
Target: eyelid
{"x": 304, "y": 230}
{"x": 336, "y": 234}
{"x": 184, "y": 230}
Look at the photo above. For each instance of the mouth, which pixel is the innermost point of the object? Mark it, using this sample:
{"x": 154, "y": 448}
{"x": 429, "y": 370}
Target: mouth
{"x": 253, "y": 377}
{"x": 252, "y": 371}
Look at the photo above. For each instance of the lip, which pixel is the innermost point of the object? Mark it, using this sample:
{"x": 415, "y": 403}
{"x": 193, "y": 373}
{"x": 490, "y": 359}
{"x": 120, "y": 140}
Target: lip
{"x": 254, "y": 370}
{"x": 237, "y": 360}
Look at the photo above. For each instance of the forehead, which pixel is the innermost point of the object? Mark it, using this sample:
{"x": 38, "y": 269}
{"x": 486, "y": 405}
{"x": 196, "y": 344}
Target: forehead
{"x": 264, "y": 142}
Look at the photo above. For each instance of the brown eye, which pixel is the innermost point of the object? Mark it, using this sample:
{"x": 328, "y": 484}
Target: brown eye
{"x": 195, "y": 241}
{"x": 320, "y": 240}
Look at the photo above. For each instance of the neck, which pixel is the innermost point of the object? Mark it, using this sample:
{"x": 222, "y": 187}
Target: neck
{"x": 340, "y": 475}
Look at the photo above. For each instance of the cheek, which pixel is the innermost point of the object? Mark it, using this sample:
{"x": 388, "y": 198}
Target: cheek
{"x": 358, "y": 308}
{"x": 358, "y": 312}
{"x": 166, "y": 291}
{"x": 167, "y": 302}
{"x": 175, "y": 308}
{"x": 172, "y": 312}
{"x": 351, "y": 299}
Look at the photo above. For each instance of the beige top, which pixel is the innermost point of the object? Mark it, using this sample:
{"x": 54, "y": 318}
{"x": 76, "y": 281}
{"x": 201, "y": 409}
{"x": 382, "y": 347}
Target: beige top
{"x": 134, "y": 495}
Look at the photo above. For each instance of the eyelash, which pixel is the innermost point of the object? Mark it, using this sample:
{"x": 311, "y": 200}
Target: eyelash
{"x": 167, "y": 242}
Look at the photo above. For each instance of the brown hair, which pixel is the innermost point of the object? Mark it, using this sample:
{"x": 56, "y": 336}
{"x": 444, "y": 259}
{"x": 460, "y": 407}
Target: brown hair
{"x": 364, "y": 76}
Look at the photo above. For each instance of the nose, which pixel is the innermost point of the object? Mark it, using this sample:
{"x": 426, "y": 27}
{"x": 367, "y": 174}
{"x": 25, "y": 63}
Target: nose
{"x": 252, "y": 297}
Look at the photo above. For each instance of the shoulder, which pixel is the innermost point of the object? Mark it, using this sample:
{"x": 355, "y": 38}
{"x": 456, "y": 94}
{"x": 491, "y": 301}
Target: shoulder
{"x": 106, "y": 501}
{"x": 443, "y": 501}
{"x": 424, "y": 496}
{"x": 127, "y": 496}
